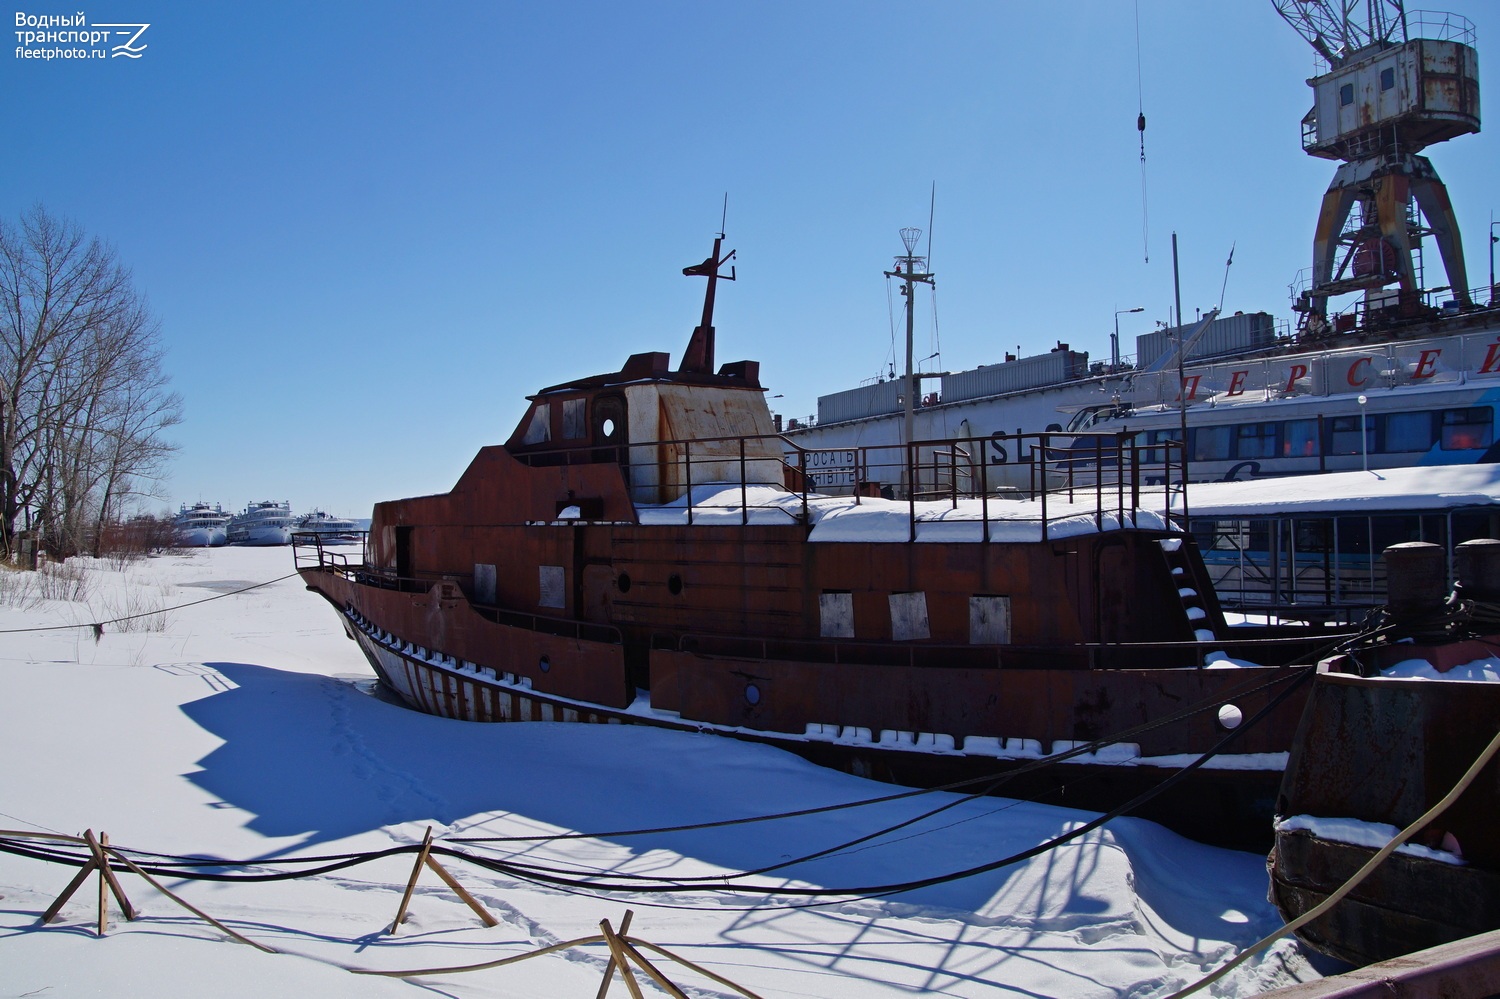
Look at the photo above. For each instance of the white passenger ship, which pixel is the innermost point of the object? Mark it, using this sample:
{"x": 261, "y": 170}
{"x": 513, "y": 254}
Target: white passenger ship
{"x": 327, "y": 529}
{"x": 1423, "y": 401}
{"x": 262, "y": 523}
{"x": 200, "y": 526}
{"x": 1256, "y": 402}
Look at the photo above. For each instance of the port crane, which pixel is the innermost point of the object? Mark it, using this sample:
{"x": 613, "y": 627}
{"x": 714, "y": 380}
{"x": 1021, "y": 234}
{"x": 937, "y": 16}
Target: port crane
{"x": 1394, "y": 82}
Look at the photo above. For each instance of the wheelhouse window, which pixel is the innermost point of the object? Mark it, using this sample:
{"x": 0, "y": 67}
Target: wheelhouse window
{"x": 575, "y": 423}
{"x": 1467, "y": 429}
{"x": 539, "y": 430}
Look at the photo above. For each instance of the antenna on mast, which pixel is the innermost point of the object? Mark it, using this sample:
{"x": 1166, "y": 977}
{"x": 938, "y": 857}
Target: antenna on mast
{"x": 931, "y": 211}
{"x": 1227, "y": 264}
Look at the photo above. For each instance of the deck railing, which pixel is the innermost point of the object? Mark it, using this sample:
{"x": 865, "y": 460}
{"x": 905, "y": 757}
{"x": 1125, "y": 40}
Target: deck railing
{"x": 1109, "y": 474}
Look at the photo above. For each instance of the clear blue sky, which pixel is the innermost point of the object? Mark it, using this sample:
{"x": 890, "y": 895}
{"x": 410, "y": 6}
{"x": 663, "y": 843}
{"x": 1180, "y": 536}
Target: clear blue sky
{"x": 370, "y": 229}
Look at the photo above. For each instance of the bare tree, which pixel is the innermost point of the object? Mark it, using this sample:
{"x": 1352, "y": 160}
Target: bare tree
{"x": 83, "y": 400}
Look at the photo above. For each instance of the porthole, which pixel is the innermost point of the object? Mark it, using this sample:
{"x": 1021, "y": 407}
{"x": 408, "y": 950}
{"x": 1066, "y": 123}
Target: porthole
{"x": 544, "y": 664}
{"x": 1230, "y": 716}
{"x": 752, "y": 694}
{"x": 622, "y": 582}
{"x": 674, "y": 584}
{"x": 608, "y": 428}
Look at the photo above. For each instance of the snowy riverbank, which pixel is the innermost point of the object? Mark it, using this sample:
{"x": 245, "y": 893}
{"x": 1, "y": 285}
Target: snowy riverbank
{"x": 244, "y": 728}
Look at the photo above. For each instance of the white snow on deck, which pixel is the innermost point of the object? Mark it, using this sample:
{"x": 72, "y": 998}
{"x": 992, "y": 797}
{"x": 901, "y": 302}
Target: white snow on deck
{"x": 1358, "y": 832}
{"x": 845, "y": 519}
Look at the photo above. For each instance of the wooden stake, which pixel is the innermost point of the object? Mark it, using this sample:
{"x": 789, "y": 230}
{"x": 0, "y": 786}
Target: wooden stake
{"x": 103, "y": 888}
{"x": 411, "y": 884}
{"x": 698, "y": 968}
{"x": 425, "y": 858}
{"x": 107, "y": 873}
{"x": 67, "y": 893}
{"x": 609, "y": 969}
{"x": 470, "y": 900}
{"x": 619, "y": 959}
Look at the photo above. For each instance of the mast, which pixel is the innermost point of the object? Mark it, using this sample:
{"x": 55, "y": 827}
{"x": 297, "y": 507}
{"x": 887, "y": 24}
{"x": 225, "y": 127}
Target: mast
{"x": 699, "y": 356}
{"x": 914, "y": 271}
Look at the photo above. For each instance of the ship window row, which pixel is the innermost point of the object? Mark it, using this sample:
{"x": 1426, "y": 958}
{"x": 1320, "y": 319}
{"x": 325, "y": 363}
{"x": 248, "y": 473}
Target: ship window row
{"x": 1467, "y": 429}
{"x": 989, "y": 617}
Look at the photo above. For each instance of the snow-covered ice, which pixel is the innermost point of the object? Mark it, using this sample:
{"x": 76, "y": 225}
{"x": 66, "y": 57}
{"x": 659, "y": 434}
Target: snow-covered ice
{"x": 245, "y": 728}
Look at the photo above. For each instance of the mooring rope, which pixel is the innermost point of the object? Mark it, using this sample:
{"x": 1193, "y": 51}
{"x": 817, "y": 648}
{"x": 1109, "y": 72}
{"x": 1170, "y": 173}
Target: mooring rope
{"x": 990, "y": 780}
{"x": 98, "y": 626}
{"x": 12, "y": 842}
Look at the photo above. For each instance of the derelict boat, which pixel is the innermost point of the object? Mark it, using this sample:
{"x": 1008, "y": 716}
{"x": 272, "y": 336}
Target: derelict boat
{"x": 1389, "y": 732}
{"x": 641, "y": 551}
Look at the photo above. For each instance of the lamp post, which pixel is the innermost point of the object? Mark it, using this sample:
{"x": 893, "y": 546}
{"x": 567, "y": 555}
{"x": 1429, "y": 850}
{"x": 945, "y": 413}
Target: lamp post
{"x": 1114, "y": 340}
{"x": 1364, "y": 438}
{"x": 1493, "y": 241}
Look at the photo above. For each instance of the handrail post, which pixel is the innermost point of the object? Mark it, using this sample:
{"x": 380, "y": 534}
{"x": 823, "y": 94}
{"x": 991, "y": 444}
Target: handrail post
{"x": 1120, "y": 477}
{"x": 1072, "y": 470}
{"x": 984, "y": 495}
{"x": 802, "y": 467}
{"x": 687, "y": 476}
{"x": 1098, "y": 483}
{"x": 953, "y": 474}
{"x": 911, "y": 492}
{"x": 1135, "y": 477}
{"x": 1046, "y": 450}
{"x": 744, "y": 489}
{"x": 1184, "y": 483}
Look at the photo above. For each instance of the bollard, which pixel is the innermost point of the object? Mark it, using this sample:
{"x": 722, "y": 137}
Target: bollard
{"x": 1476, "y": 564}
{"x": 1416, "y": 580}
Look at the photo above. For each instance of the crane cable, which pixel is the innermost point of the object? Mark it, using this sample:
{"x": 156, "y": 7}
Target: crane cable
{"x": 1140, "y": 126}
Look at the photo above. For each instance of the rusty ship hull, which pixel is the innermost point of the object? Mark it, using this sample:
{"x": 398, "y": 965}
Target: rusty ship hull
{"x": 911, "y": 723}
